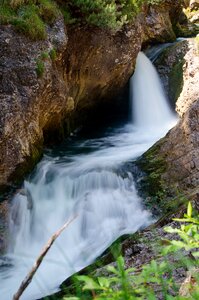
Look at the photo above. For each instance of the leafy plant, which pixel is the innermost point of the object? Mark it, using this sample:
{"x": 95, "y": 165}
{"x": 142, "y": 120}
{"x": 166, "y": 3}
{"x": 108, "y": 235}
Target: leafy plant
{"x": 154, "y": 279}
{"x": 30, "y": 16}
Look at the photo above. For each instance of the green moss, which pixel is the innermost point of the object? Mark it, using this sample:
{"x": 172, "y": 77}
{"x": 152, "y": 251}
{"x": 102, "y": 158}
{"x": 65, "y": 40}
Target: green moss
{"x": 44, "y": 55}
{"x": 154, "y": 166}
{"x": 159, "y": 197}
{"x": 48, "y": 11}
{"x": 185, "y": 31}
{"x": 30, "y": 23}
{"x": 40, "y": 68}
{"x": 30, "y": 16}
{"x": 176, "y": 80}
{"x": 53, "y": 54}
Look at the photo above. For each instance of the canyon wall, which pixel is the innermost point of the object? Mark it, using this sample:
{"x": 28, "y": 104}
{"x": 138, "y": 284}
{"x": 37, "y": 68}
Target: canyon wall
{"x": 44, "y": 96}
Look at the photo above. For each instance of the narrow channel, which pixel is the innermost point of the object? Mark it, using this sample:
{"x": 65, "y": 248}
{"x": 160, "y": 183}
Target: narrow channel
{"x": 85, "y": 178}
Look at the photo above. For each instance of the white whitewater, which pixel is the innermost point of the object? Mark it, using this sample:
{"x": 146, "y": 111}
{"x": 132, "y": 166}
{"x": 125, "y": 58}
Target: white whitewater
{"x": 151, "y": 110}
{"x": 94, "y": 186}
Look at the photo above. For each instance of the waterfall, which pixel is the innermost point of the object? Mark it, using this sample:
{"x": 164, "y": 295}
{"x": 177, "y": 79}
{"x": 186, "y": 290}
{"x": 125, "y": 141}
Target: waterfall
{"x": 150, "y": 107}
{"x": 87, "y": 179}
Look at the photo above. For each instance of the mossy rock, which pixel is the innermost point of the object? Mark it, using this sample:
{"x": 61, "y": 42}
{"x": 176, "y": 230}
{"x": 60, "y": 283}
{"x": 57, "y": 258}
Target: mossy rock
{"x": 153, "y": 165}
{"x": 190, "y": 30}
{"x": 176, "y": 80}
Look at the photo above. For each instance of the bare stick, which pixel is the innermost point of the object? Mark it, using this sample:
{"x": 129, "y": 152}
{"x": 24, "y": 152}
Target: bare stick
{"x": 30, "y": 275}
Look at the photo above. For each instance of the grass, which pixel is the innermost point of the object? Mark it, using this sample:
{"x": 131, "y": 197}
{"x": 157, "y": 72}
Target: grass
{"x": 40, "y": 68}
{"x": 29, "y": 16}
{"x": 30, "y": 23}
{"x": 53, "y": 54}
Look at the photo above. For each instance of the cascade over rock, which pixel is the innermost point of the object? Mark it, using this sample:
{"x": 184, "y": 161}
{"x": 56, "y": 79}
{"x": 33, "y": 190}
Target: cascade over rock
{"x": 94, "y": 186}
{"x": 91, "y": 64}
{"x": 179, "y": 150}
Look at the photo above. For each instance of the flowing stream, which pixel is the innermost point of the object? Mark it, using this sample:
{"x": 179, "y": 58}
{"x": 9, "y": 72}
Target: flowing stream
{"x": 87, "y": 179}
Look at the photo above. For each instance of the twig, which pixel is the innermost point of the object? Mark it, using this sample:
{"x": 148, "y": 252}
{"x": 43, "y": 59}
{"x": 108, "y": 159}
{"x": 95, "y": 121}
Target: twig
{"x": 39, "y": 260}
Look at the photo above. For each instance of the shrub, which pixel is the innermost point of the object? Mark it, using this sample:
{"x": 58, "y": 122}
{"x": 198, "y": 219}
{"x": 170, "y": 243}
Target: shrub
{"x": 131, "y": 284}
{"x": 109, "y": 14}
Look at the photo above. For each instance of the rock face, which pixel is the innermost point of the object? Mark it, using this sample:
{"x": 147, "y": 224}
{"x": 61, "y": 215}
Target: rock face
{"x": 159, "y": 20}
{"x": 41, "y": 94}
{"x": 182, "y": 143}
{"x": 180, "y": 148}
{"x": 27, "y": 103}
{"x": 169, "y": 65}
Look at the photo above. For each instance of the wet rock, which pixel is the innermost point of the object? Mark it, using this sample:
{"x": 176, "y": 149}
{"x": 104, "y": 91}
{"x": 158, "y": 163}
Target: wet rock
{"x": 180, "y": 148}
{"x": 4, "y": 208}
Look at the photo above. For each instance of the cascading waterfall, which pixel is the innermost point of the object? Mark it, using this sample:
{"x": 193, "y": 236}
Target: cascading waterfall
{"x": 91, "y": 185}
{"x": 150, "y": 109}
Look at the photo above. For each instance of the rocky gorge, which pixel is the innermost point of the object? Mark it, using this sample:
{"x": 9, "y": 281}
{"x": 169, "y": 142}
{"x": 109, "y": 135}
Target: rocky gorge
{"x": 49, "y": 88}
{"x": 73, "y": 81}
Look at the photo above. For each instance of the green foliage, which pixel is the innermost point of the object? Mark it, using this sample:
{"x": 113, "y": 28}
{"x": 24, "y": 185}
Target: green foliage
{"x": 53, "y": 54}
{"x": 6, "y": 13}
{"x": 29, "y": 22}
{"x": 110, "y": 14}
{"x": 48, "y": 11}
{"x": 44, "y": 56}
{"x": 188, "y": 232}
{"x": 30, "y": 16}
{"x": 40, "y": 68}
{"x": 130, "y": 284}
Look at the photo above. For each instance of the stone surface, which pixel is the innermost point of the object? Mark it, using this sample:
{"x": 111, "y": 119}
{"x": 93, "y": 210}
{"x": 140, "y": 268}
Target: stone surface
{"x": 4, "y": 209}
{"x": 28, "y": 103}
{"x": 158, "y": 21}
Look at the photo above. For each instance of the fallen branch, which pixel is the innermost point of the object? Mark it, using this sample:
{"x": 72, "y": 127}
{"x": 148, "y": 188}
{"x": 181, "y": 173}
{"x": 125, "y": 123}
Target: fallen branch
{"x": 39, "y": 260}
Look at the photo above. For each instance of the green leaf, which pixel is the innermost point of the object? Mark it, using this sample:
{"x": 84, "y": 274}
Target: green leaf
{"x": 195, "y": 254}
{"x": 112, "y": 270}
{"x": 104, "y": 281}
{"x": 171, "y": 230}
{"x": 189, "y": 210}
{"x": 90, "y": 284}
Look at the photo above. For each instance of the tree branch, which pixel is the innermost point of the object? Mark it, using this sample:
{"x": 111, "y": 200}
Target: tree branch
{"x": 39, "y": 260}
